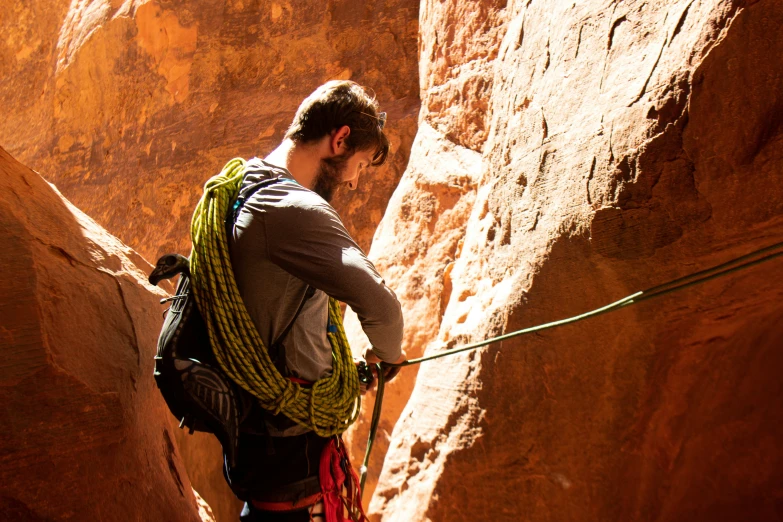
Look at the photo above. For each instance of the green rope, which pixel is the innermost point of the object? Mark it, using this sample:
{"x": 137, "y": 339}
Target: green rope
{"x": 333, "y": 403}
{"x": 735, "y": 265}
{"x": 675, "y": 285}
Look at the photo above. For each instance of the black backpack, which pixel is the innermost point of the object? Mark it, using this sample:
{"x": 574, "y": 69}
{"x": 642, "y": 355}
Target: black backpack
{"x": 195, "y": 388}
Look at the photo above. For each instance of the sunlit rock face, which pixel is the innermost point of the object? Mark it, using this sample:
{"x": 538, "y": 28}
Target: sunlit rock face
{"x": 85, "y": 431}
{"x": 567, "y": 154}
{"x": 130, "y": 106}
{"x": 570, "y": 154}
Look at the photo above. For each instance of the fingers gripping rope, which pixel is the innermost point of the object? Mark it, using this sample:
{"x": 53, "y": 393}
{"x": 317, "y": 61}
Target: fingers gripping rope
{"x": 332, "y": 404}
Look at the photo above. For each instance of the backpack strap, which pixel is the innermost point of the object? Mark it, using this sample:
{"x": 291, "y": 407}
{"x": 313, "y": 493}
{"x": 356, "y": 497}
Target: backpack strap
{"x": 277, "y": 349}
{"x": 310, "y": 292}
{"x": 246, "y": 193}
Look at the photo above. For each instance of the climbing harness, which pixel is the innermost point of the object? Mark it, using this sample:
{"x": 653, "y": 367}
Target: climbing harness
{"x": 332, "y": 404}
{"x": 740, "y": 263}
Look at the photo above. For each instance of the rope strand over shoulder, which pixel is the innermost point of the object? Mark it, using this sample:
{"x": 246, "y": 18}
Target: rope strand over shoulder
{"x": 333, "y": 403}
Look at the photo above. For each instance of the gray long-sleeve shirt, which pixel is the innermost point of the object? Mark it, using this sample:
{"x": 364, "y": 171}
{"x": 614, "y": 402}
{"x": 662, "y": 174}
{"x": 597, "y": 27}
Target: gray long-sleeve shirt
{"x": 285, "y": 238}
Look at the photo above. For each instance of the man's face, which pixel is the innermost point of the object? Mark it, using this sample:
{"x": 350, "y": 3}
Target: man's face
{"x": 340, "y": 170}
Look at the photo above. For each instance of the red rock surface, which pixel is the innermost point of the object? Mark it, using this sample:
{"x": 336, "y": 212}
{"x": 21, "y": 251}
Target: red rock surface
{"x": 128, "y": 107}
{"x": 85, "y": 435}
{"x": 203, "y": 458}
{"x": 570, "y": 154}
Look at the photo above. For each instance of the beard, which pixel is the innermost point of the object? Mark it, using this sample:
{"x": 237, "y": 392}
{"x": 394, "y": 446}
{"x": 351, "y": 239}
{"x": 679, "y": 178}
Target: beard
{"x": 329, "y": 177}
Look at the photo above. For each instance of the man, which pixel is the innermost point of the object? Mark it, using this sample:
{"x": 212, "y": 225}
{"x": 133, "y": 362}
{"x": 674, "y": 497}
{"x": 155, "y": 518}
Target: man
{"x": 287, "y": 240}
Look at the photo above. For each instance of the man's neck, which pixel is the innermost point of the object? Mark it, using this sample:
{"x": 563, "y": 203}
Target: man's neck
{"x": 302, "y": 161}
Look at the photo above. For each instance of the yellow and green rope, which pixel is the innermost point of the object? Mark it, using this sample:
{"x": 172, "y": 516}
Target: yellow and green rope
{"x": 332, "y": 404}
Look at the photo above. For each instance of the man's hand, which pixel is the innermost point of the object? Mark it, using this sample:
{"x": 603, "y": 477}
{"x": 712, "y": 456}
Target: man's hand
{"x": 390, "y": 371}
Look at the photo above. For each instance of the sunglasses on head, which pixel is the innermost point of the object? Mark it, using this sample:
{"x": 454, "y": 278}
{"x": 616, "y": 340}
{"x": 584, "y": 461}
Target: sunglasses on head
{"x": 381, "y": 118}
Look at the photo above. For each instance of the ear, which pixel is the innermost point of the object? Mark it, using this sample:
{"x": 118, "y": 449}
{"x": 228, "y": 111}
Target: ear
{"x": 337, "y": 143}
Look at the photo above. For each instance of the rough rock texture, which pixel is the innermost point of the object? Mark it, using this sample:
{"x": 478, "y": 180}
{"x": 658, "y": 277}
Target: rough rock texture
{"x": 84, "y": 435}
{"x": 203, "y": 458}
{"x": 204, "y": 511}
{"x": 568, "y": 154}
{"x": 141, "y": 101}
{"x": 422, "y": 230}
{"x": 589, "y": 150}
{"x": 130, "y": 106}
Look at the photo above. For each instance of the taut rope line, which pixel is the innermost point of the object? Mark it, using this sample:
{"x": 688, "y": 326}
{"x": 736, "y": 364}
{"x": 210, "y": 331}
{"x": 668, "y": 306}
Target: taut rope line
{"x": 735, "y": 265}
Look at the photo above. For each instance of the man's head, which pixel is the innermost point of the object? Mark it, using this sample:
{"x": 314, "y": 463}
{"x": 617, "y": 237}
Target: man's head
{"x": 348, "y": 115}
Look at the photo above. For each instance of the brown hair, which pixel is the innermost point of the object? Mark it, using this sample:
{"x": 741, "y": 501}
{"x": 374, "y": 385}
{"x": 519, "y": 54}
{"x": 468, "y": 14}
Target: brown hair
{"x": 337, "y": 103}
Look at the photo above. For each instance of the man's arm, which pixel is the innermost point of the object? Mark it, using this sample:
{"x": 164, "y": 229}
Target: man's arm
{"x": 307, "y": 239}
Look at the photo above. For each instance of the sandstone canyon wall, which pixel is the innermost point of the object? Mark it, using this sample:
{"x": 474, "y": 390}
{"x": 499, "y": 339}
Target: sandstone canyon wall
{"x": 85, "y": 431}
{"x": 567, "y": 154}
{"x": 570, "y": 154}
{"x": 128, "y": 107}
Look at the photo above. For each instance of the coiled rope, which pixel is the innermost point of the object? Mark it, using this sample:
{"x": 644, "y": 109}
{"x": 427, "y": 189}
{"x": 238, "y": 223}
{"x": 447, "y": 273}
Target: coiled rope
{"x": 333, "y": 403}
